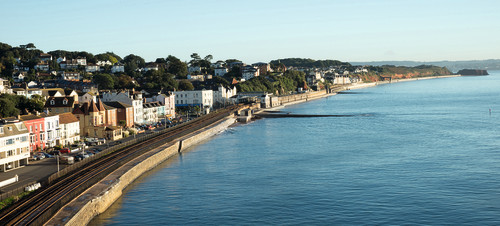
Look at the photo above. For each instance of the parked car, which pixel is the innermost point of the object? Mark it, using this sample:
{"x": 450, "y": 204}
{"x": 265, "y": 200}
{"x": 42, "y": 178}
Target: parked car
{"x": 67, "y": 159}
{"x": 78, "y": 157}
{"x": 39, "y": 155}
{"x": 89, "y": 153}
{"x": 55, "y": 152}
{"x": 47, "y": 155}
{"x": 96, "y": 150}
{"x": 81, "y": 156}
{"x": 65, "y": 150}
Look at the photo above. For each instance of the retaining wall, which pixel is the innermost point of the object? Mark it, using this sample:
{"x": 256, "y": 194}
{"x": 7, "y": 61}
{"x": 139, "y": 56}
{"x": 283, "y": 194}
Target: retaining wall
{"x": 101, "y": 196}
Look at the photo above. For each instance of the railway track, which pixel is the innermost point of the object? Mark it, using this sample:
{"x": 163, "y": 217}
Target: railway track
{"x": 40, "y": 206}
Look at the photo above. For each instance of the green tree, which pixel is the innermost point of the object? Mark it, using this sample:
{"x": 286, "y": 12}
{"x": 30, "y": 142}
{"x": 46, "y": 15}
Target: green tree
{"x": 185, "y": 85}
{"x": 176, "y": 66}
{"x": 7, "y": 108}
{"x": 104, "y": 81}
{"x": 37, "y": 103}
{"x": 125, "y": 82}
{"x": 30, "y": 46}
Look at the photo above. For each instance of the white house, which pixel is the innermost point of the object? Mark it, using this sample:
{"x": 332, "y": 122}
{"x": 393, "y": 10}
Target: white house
{"x": 128, "y": 97}
{"x": 118, "y": 67}
{"x": 151, "y": 67}
{"x": 52, "y": 129}
{"x": 103, "y": 63}
{"x": 91, "y": 68}
{"x": 14, "y": 145}
{"x": 69, "y": 75}
{"x": 42, "y": 66}
{"x": 5, "y": 86}
{"x": 220, "y": 71}
{"x": 150, "y": 113}
{"x": 167, "y": 100}
{"x": 360, "y": 70}
{"x": 70, "y": 128}
{"x": 223, "y": 95}
{"x": 87, "y": 97}
{"x": 249, "y": 72}
{"x": 19, "y": 76}
{"x": 203, "y": 98}
{"x": 33, "y": 91}
{"x": 81, "y": 61}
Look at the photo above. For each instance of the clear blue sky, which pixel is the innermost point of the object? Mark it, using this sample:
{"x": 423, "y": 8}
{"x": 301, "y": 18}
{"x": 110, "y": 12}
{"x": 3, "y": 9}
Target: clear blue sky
{"x": 260, "y": 30}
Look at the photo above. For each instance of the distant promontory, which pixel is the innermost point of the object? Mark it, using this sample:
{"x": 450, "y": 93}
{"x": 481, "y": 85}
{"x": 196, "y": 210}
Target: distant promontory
{"x": 472, "y": 72}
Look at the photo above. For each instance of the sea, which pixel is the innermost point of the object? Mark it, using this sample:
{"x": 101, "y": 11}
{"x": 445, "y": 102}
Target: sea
{"x": 424, "y": 152}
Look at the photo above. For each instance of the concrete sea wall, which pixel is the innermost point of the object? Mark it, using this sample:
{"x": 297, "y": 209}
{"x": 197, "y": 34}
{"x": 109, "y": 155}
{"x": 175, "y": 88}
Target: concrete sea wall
{"x": 101, "y": 196}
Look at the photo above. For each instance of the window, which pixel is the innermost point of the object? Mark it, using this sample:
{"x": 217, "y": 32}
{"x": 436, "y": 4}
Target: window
{"x": 9, "y": 128}
{"x": 1, "y": 130}
{"x": 65, "y": 101}
{"x": 9, "y": 141}
{"x": 24, "y": 138}
{"x": 31, "y": 129}
{"x": 52, "y": 102}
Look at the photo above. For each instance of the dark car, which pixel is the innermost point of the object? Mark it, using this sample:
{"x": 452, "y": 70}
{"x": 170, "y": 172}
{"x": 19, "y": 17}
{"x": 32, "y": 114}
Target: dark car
{"x": 96, "y": 149}
{"x": 78, "y": 157}
{"x": 55, "y": 153}
{"x": 47, "y": 155}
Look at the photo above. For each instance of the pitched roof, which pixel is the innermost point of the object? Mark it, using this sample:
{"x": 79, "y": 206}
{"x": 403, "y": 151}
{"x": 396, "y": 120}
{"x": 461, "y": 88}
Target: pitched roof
{"x": 100, "y": 106}
{"x": 92, "y": 107}
{"x": 66, "y": 118}
{"x": 12, "y": 129}
{"x": 54, "y": 102}
{"x": 68, "y": 92}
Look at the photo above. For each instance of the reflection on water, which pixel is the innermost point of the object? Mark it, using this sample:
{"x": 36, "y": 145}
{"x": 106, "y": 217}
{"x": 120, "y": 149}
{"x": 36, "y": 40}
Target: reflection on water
{"x": 423, "y": 152}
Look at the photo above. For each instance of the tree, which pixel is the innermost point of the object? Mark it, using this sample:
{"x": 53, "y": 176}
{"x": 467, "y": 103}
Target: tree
{"x": 104, "y": 81}
{"x": 139, "y": 61}
{"x": 124, "y": 82}
{"x": 195, "y": 61}
{"x": 176, "y": 66}
{"x": 185, "y": 85}
{"x": 37, "y": 103}
{"x": 7, "y": 108}
{"x": 30, "y": 46}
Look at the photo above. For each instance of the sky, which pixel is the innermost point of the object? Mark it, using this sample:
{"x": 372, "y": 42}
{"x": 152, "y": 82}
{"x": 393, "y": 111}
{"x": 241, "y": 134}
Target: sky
{"x": 260, "y": 30}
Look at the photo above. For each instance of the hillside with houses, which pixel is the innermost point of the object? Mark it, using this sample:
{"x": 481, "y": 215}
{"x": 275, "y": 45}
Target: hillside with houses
{"x": 59, "y": 99}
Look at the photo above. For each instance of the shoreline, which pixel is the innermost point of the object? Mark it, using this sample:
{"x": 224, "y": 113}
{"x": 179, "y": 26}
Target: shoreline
{"x": 354, "y": 86}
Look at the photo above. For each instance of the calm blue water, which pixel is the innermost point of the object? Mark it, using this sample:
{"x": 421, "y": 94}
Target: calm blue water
{"x": 423, "y": 152}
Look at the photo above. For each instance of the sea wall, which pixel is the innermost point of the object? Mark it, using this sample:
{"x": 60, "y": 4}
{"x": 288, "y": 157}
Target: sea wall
{"x": 101, "y": 196}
